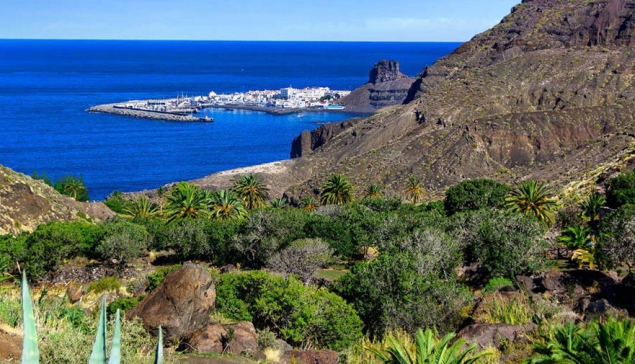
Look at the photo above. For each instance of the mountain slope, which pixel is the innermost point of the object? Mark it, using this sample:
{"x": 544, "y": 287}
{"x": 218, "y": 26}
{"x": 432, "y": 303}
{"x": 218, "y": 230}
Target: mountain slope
{"x": 548, "y": 93}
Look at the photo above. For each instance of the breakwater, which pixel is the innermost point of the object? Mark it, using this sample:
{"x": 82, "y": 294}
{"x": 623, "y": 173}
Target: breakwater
{"x": 117, "y": 109}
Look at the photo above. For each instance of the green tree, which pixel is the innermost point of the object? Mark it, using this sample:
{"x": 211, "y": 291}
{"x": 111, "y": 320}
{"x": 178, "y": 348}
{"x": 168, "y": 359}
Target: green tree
{"x": 414, "y": 190}
{"x": 252, "y": 191}
{"x": 373, "y": 191}
{"x": 307, "y": 203}
{"x": 591, "y": 208}
{"x": 533, "y": 198}
{"x": 227, "y": 205}
{"x": 337, "y": 190}
{"x": 72, "y": 186}
{"x": 187, "y": 201}
{"x": 431, "y": 350}
{"x": 475, "y": 194}
{"x": 621, "y": 190}
{"x": 141, "y": 207}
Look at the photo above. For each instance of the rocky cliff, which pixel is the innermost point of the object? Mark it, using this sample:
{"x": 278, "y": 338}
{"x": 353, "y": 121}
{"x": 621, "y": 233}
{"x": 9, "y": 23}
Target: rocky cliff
{"x": 547, "y": 93}
{"x": 386, "y": 86}
{"x": 26, "y": 203}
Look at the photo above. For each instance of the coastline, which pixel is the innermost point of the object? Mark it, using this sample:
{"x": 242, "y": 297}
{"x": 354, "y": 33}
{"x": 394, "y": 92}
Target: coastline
{"x": 153, "y": 115}
{"x": 281, "y": 111}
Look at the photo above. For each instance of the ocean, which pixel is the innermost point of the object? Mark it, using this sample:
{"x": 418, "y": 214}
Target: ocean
{"x": 46, "y": 86}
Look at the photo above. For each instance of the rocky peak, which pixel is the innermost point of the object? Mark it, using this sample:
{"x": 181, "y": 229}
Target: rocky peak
{"x": 385, "y": 71}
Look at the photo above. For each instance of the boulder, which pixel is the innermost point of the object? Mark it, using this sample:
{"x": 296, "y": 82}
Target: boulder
{"x": 488, "y": 335}
{"x": 74, "y": 293}
{"x": 525, "y": 283}
{"x": 236, "y": 338}
{"x": 181, "y": 304}
{"x": 310, "y": 357}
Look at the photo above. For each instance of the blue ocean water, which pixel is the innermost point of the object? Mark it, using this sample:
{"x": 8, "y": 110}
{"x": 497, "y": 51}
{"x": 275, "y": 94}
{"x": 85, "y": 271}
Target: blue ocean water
{"x": 46, "y": 86}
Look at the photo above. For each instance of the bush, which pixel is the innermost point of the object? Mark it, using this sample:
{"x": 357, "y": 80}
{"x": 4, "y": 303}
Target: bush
{"x": 411, "y": 289}
{"x": 496, "y": 283}
{"x": 123, "y": 241}
{"x": 123, "y": 304}
{"x": 104, "y": 285}
{"x": 299, "y": 314}
{"x": 616, "y": 246}
{"x": 473, "y": 195}
{"x": 302, "y": 257}
{"x": 621, "y": 190}
{"x": 117, "y": 203}
{"x": 505, "y": 244}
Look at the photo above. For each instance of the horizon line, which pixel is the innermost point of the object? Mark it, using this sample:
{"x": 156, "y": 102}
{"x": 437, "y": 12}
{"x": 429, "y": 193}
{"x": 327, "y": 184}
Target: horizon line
{"x": 235, "y": 40}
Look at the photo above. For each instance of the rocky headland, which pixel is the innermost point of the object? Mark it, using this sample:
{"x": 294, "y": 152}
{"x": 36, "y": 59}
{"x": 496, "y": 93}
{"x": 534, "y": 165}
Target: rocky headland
{"x": 546, "y": 94}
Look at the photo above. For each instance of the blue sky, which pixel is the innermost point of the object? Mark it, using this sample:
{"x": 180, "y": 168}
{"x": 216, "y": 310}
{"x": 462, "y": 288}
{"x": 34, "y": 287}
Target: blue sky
{"x": 341, "y": 20}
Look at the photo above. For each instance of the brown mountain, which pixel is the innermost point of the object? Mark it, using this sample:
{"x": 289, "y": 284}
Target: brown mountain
{"x": 26, "y": 203}
{"x": 547, "y": 93}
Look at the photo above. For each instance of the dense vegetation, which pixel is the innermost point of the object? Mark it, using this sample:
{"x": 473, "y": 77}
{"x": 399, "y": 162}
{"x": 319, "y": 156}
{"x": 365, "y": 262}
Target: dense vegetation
{"x": 403, "y": 257}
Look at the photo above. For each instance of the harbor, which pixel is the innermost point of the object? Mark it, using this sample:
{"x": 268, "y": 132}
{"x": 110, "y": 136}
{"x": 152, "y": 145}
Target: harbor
{"x": 188, "y": 108}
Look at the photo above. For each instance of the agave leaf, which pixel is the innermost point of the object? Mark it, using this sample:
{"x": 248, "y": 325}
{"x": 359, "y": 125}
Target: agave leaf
{"x": 115, "y": 349}
{"x": 30, "y": 353}
{"x": 98, "y": 355}
{"x": 159, "y": 353}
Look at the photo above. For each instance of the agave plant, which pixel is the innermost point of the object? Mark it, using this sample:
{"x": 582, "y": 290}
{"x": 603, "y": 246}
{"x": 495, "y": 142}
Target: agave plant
{"x": 534, "y": 199}
{"x": 430, "y": 350}
{"x": 414, "y": 190}
{"x": 30, "y": 351}
{"x": 141, "y": 207}
{"x": 337, "y": 190}
{"x": 373, "y": 191}
{"x": 187, "y": 201}
{"x": 591, "y": 208}
{"x": 278, "y": 203}
{"x": 252, "y": 191}
{"x": 307, "y": 203}
{"x": 226, "y": 205}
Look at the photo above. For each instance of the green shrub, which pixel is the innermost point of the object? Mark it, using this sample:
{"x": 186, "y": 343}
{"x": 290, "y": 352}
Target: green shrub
{"x": 155, "y": 278}
{"x": 476, "y": 194}
{"x": 117, "y": 203}
{"x": 123, "y": 304}
{"x": 104, "y": 285}
{"x": 299, "y": 314}
{"x": 621, "y": 190}
{"x": 266, "y": 338}
{"x": 496, "y": 283}
{"x": 123, "y": 241}
{"x": 616, "y": 246}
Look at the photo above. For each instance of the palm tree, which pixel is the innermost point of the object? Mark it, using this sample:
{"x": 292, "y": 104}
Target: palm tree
{"x": 373, "y": 191}
{"x": 74, "y": 187}
{"x": 534, "y": 199}
{"x": 591, "y": 208}
{"x": 611, "y": 342}
{"x": 226, "y": 205}
{"x": 414, "y": 190}
{"x": 337, "y": 190}
{"x": 307, "y": 203}
{"x": 251, "y": 190}
{"x": 430, "y": 350}
{"x": 576, "y": 237}
{"x": 186, "y": 201}
{"x": 141, "y": 207}
{"x": 278, "y": 203}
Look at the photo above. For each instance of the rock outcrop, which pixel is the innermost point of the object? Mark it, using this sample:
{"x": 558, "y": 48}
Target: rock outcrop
{"x": 26, "y": 203}
{"x": 386, "y": 86}
{"x": 238, "y": 338}
{"x": 181, "y": 304}
{"x": 490, "y": 335}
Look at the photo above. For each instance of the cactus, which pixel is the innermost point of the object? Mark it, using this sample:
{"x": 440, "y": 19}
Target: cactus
{"x": 30, "y": 352}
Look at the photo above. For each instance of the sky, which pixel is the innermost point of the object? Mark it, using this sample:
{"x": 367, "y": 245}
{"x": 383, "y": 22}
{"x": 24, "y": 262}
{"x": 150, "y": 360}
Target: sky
{"x": 277, "y": 20}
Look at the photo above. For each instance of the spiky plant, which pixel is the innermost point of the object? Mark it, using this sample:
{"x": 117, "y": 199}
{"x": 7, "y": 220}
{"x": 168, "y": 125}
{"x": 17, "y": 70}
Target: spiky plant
{"x": 307, "y": 203}
{"x": 252, "y": 191}
{"x": 430, "y": 350}
{"x": 186, "y": 201}
{"x": 534, "y": 199}
{"x": 591, "y": 208}
{"x": 141, "y": 207}
{"x": 576, "y": 237}
{"x": 337, "y": 190}
{"x": 278, "y": 203}
{"x": 226, "y": 205}
{"x": 414, "y": 190}
{"x": 373, "y": 191}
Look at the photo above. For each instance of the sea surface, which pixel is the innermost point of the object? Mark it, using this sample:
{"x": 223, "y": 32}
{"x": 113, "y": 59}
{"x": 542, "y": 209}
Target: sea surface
{"x": 46, "y": 86}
